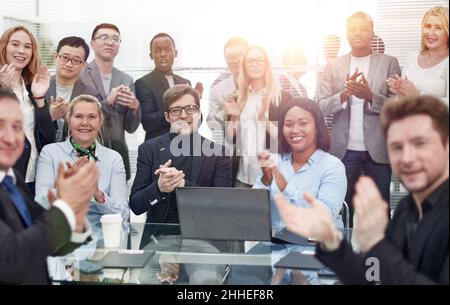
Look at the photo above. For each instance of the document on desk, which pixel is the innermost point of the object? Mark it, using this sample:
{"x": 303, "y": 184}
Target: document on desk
{"x": 126, "y": 259}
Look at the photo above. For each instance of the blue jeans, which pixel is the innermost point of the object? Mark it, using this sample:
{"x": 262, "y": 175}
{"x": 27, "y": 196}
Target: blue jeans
{"x": 359, "y": 163}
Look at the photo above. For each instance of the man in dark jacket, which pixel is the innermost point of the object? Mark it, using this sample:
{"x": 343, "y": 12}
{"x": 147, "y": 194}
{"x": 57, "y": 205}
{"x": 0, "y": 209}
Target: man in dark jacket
{"x": 151, "y": 87}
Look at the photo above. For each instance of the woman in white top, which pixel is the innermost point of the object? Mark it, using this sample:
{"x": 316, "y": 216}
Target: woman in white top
{"x": 20, "y": 72}
{"x": 254, "y": 114}
{"x": 426, "y": 72}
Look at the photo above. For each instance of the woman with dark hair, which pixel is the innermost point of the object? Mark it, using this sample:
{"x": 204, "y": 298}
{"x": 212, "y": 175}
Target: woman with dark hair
{"x": 303, "y": 163}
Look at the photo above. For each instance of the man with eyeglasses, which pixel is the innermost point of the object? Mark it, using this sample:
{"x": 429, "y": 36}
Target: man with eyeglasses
{"x": 70, "y": 59}
{"x": 151, "y": 87}
{"x": 120, "y": 106}
{"x": 179, "y": 158}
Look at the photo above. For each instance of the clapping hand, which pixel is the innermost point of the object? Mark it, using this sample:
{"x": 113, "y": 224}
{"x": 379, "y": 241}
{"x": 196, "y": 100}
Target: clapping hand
{"x": 199, "y": 88}
{"x": 314, "y": 222}
{"x": 169, "y": 177}
{"x": 41, "y": 82}
{"x": 126, "y": 98}
{"x": 230, "y": 106}
{"x": 358, "y": 86}
{"x": 9, "y": 77}
{"x": 58, "y": 108}
{"x": 76, "y": 186}
{"x": 371, "y": 212}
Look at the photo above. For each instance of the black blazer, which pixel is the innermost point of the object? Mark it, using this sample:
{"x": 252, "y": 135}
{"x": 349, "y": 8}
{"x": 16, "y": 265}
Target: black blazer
{"x": 23, "y": 252}
{"x": 149, "y": 91}
{"x": 44, "y": 133}
{"x": 213, "y": 171}
{"x": 425, "y": 261}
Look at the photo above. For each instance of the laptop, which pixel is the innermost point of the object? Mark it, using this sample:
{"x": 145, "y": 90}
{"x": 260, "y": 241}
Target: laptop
{"x": 287, "y": 237}
{"x": 224, "y": 213}
{"x": 296, "y": 260}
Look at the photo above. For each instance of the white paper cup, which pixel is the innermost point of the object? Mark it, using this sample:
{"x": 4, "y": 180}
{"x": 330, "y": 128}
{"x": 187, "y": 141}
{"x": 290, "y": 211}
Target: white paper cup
{"x": 112, "y": 230}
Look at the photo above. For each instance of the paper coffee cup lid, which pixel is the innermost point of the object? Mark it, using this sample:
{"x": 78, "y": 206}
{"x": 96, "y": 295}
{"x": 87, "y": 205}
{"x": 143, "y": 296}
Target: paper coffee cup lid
{"x": 110, "y": 217}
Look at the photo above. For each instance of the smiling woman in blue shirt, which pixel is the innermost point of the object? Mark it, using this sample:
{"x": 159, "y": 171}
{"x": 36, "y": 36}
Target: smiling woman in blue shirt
{"x": 303, "y": 163}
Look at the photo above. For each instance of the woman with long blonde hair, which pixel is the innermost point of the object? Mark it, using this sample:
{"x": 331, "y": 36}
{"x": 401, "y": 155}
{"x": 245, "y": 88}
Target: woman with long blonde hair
{"x": 254, "y": 114}
{"x": 426, "y": 71}
{"x": 21, "y": 73}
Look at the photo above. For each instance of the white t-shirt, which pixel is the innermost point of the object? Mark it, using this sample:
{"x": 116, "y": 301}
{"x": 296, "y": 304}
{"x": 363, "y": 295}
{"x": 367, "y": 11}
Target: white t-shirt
{"x": 356, "y": 129}
{"x": 251, "y": 139}
{"x": 27, "y": 109}
{"x": 106, "y": 80}
{"x": 432, "y": 81}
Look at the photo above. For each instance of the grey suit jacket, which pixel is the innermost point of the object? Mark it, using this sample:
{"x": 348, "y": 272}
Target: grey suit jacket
{"x": 79, "y": 88}
{"x": 332, "y": 84}
{"x": 117, "y": 118}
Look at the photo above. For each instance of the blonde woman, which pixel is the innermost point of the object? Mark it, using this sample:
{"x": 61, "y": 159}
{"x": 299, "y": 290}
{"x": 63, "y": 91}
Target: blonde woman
{"x": 85, "y": 119}
{"x": 426, "y": 72}
{"x": 254, "y": 113}
{"x": 20, "y": 72}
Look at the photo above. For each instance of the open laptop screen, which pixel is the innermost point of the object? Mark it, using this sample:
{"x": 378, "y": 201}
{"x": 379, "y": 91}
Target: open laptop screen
{"x": 224, "y": 213}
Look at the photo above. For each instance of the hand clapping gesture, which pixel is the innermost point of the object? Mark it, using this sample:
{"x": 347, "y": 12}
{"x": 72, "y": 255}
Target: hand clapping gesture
{"x": 9, "y": 77}
{"x": 40, "y": 85}
{"x": 358, "y": 86}
{"x": 58, "y": 108}
{"x": 169, "y": 177}
{"x": 402, "y": 86}
{"x": 122, "y": 95}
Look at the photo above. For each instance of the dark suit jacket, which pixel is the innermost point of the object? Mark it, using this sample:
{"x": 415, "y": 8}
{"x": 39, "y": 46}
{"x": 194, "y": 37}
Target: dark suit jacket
{"x": 423, "y": 261}
{"x": 150, "y": 90}
{"x": 79, "y": 88}
{"x": 213, "y": 171}
{"x": 23, "y": 252}
{"x": 117, "y": 117}
{"x": 44, "y": 133}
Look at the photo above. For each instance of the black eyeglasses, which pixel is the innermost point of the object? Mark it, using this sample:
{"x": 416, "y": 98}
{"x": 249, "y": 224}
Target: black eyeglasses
{"x": 190, "y": 109}
{"x": 75, "y": 61}
{"x": 105, "y": 38}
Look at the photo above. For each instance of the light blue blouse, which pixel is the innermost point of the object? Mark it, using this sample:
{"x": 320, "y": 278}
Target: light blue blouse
{"x": 112, "y": 181}
{"x": 323, "y": 176}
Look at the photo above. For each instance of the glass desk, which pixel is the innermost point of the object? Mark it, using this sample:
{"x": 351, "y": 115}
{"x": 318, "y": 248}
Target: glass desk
{"x": 177, "y": 261}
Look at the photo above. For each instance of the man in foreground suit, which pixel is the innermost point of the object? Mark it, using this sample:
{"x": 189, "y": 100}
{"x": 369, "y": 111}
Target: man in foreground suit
{"x": 28, "y": 233}
{"x": 177, "y": 159}
{"x": 413, "y": 248}
{"x": 353, "y": 89}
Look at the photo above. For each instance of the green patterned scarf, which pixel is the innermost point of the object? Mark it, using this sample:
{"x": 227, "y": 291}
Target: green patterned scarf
{"x": 82, "y": 151}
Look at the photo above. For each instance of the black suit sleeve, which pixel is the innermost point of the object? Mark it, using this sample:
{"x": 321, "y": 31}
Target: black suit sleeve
{"x": 222, "y": 172}
{"x": 49, "y": 235}
{"x": 152, "y": 118}
{"x": 396, "y": 270}
{"x": 145, "y": 195}
{"x": 349, "y": 266}
{"x": 44, "y": 131}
